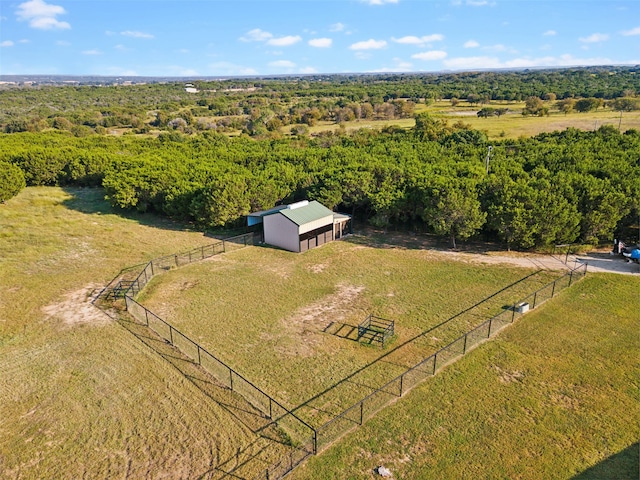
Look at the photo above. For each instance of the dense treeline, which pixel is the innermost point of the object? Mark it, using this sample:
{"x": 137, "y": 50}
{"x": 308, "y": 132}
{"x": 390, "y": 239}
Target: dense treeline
{"x": 260, "y": 106}
{"x": 553, "y": 188}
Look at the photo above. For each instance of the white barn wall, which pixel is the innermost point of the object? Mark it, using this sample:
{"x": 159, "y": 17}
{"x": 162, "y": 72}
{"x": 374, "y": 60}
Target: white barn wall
{"x": 281, "y": 232}
{"x": 321, "y": 222}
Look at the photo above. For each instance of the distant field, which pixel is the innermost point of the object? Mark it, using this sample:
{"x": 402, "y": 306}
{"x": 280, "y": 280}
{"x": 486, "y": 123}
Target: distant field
{"x": 511, "y": 125}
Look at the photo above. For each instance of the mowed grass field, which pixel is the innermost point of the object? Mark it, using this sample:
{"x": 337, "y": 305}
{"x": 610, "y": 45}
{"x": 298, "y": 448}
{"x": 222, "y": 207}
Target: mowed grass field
{"x": 80, "y": 396}
{"x": 511, "y": 125}
{"x": 288, "y": 322}
{"x": 555, "y": 395}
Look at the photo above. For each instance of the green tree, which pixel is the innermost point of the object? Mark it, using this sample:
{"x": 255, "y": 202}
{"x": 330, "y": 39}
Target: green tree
{"x": 11, "y": 181}
{"x": 588, "y": 104}
{"x": 534, "y": 106}
{"x": 431, "y": 128}
{"x": 452, "y": 208}
{"x": 566, "y": 105}
{"x": 224, "y": 201}
{"x": 626, "y": 104}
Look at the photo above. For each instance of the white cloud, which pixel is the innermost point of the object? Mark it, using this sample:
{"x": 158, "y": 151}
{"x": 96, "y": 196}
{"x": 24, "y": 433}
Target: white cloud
{"x": 499, "y": 48}
{"x": 595, "y": 38}
{"x": 256, "y": 35}
{"x": 633, "y": 31}
{"x": 282, "y": 64}
{"x": 228, "y": 68}
{"x": 321, "y": 42}
{"x": 6, "y": 43}
{"x": 362, "y": 55}
{"x": 413, "y": 40}
{"x": 378, "y": 2}
{"x": 337, "y": 27}
{"x": 63, "y": 43}
{"x": 42, "y": 15}
{"x": 471, "y": 44}
{"x": 121, "y": 48}
{"x": 24, "y": 40}
{"x": 550, "y": 33}
{"x": 134, "y": 34}
{"x": 91, "y": 52}
{"x": 308, "y": 70}
{"x": 284, "y": 41}
{"x": 370, "y": 44}
{"x": 430, "y": 55}
{"x": 400, "y": 65}
{"x": 484, "y": 62}
{"x": 473, "y": 3}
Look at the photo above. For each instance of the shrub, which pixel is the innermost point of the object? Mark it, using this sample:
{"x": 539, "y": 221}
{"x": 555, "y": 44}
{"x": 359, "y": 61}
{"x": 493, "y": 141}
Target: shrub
{"x": 11, "y": 181}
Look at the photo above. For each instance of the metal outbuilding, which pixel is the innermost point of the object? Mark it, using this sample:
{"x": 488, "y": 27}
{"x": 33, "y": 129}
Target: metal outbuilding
{"x": 300, "y": 226}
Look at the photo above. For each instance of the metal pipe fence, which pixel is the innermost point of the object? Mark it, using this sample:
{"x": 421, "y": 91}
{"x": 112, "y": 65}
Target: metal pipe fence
{"x": 224, "y": 374}
{"x": 365, "y": 408}
{"x": 306, "y": 439}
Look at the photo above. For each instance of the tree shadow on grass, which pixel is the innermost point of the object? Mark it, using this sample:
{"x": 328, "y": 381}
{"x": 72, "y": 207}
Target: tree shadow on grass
{"x": 377, "y": 238}
{"x": 91, "y": 201}
{"x": 624, "y": 464}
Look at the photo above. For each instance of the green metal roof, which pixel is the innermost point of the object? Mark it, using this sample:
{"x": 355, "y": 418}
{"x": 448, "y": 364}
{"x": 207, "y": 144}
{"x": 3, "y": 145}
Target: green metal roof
{"x": 308, "y": 213}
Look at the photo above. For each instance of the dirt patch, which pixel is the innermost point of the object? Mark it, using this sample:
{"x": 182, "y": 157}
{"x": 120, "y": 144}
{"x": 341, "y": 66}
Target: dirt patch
{"x": 189, "y": 285}
{"x": 318, "y": 268}
{"x": 508, "y": 377}
{"x": 307, "y": 323}
{"x": 76, "y": 308}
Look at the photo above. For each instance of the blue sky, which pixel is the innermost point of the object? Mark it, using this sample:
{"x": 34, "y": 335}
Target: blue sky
{"x": 242, "y": 37}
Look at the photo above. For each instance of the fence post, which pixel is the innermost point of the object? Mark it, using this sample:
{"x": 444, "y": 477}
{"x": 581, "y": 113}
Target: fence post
{"x": 435, "y": 361}
{"x": 464, "y": 346}
{"x": 553, "y": 289}
{"x": 489, "y": 332}
{"x": 570, "y": 278}
{"x": 401, "y": 378}
{"x": 535, "y": 296}
{"x": 199, "y": 360}
{"x": 361, "y": 412}
{"x": 171, "y": 334}
{"x": 231, "y": 379}
{"x": 513, "y": 314}
{"x": 315, "y": 441}
{"x": 189, "y": 256}
{"x": 270, "y": 408}
{"x": 152, "y": 272}
{"x": 202, "y": 252}
{"x": 146, "y": 316}
{"x": 224, "y": 248}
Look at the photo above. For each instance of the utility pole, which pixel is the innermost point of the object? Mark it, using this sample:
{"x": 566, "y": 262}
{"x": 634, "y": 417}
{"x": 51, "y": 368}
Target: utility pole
{"x": 620, "y": 121}
{"x": 488, "y": 158}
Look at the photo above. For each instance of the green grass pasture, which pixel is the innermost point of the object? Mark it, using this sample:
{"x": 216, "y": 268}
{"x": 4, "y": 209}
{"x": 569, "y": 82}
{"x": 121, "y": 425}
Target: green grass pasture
{"x": 555, "y": 396}
{"x": 288, "y": 322}
{"x": 510, "y": 125}
{"x": 81, "y": 396}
